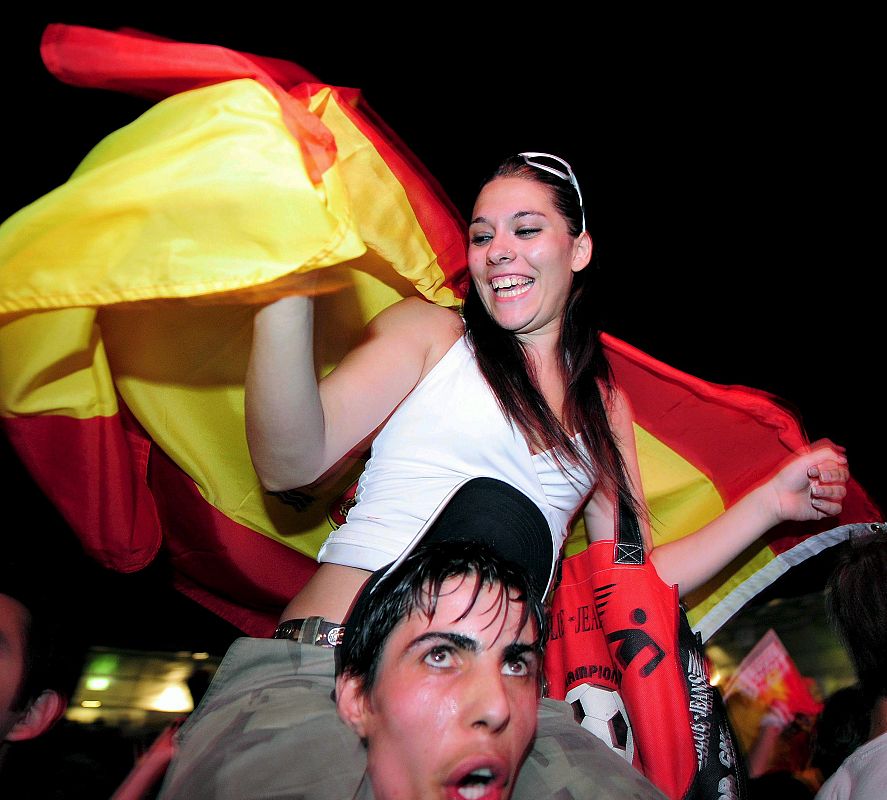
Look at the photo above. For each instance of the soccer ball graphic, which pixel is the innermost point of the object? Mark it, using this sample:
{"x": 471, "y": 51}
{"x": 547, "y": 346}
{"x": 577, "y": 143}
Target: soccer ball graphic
{"x": 602, "y": 712}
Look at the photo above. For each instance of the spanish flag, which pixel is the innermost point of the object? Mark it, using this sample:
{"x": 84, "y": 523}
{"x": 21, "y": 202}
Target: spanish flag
{"x": 126, "y": 303}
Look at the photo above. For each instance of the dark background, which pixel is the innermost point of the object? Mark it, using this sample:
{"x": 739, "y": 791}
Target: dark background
{"x": 728, "y": 167}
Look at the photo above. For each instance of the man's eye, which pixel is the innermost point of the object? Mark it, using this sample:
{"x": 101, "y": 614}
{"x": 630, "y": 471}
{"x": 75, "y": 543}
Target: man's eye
{"x": 517, "y": 668}
{"x": 440, "y": 657}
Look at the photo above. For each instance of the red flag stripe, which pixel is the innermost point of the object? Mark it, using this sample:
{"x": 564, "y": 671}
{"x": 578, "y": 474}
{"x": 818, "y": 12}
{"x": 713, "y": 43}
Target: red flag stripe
{"x": 152, "y": 67}
{"x": 95, "y": 472}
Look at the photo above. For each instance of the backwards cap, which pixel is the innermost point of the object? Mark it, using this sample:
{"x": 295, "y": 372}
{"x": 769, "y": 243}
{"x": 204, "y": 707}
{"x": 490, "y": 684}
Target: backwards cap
{"x": 491, "y": 512}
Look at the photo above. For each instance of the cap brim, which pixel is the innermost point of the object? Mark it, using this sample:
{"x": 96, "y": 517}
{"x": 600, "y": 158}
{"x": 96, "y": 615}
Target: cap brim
{"x": 497, "y": 514}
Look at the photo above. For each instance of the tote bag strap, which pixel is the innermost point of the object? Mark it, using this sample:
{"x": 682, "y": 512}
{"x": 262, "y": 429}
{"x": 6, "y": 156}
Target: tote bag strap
{"x": 628, "y": 545}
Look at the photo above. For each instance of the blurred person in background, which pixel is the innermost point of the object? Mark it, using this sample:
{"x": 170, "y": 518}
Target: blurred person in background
{"x": 856, "y": 599}
{"x": 40, "y": 662}
{"x": 841, "y": 727}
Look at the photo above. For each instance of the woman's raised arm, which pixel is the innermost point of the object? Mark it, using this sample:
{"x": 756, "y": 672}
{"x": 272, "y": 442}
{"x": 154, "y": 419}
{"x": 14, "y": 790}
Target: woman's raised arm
{"x": 298, "y": 427}
{"x": 810, "y": 486}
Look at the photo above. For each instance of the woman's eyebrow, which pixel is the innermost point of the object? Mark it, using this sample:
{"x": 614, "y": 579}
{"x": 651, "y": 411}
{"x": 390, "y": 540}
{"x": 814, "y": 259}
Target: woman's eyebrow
{"x": 515, "y": 215}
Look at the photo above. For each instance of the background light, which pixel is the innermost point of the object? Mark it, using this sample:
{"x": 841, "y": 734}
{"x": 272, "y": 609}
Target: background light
{"x": 173, "y": 698}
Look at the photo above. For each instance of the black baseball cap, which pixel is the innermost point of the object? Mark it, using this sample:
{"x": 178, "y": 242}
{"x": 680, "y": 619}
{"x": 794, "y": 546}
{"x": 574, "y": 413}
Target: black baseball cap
{"x": 491, "y": 512}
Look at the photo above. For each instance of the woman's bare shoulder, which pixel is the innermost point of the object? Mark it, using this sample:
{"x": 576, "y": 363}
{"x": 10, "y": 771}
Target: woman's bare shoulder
{"x": 423, "y": 318}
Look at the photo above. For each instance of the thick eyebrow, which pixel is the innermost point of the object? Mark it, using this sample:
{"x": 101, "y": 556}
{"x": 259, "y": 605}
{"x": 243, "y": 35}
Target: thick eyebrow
{"x": 510, "y": 653}
{"x": 459, "y": 640}
{"x": 516, "y": 215}
{"x": 516, "y": 649}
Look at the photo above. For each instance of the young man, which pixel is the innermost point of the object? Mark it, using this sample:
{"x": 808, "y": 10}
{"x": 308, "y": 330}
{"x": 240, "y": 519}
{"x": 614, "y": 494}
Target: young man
{"x": 857, "y": 603}
{"x": 441, "y": 674}
{"x": 438, "y": 685}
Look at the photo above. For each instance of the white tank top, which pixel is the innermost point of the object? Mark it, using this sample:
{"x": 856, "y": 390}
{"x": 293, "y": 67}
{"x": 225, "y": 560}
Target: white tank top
{"x": 449, "y": 428}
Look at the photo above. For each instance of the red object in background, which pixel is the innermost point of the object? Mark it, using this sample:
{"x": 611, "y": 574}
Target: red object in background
{"x": 769, "y": 675}
{"x": 150, "y": 767}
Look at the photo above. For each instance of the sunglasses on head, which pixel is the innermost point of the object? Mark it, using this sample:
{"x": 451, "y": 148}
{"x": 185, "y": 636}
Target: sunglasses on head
{"x": 566, "y": 174}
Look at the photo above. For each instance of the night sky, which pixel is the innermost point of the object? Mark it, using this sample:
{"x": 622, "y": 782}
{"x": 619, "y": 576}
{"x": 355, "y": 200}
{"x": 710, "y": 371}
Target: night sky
{"x": 728, "y": 172}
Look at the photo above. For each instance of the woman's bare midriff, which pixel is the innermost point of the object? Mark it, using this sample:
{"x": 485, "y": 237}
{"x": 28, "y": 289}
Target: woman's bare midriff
{"x": 328, "y": 594}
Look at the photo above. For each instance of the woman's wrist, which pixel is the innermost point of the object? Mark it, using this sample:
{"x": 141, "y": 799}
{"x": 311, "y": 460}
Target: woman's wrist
{"x": 763, "y": 503}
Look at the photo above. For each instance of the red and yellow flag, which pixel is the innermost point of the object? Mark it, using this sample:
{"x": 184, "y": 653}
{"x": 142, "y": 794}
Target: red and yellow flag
{"x": 701, "y": 447}
{"x": 126, "y": 304}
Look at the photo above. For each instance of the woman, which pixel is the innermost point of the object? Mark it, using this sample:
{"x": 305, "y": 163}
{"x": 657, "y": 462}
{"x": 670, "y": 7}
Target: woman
{"x": 520, "y": 392}
{"x": 528, "y": 398}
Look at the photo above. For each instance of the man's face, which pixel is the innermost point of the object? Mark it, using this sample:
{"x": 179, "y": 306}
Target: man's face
{"x": 453, "y": 710}
{"x": 13, "y": 632}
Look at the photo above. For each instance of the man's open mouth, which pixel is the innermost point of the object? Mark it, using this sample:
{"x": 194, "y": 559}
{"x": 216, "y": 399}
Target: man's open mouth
{"x": 482, "y": 783}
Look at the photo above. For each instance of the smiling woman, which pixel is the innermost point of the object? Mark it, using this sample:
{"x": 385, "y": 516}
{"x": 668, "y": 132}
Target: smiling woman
{"x": 528, "y": 395}
{"x": 513, "y": 250}
{"x": 529, "y": 399}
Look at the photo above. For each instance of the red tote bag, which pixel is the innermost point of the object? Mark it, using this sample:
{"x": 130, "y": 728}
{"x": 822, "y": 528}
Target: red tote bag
{"x": 622, "y": 652}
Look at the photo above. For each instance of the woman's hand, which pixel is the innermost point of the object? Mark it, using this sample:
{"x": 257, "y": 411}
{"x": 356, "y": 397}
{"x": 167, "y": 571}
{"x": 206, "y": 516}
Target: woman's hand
{"x": 813, "y": 484}
{"x": 810, "y": 486}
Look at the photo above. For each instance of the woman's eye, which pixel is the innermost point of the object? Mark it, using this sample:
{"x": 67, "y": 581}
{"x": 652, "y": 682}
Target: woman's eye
{"x": 439, "y": 657}
{"x": 480, "y": 238}
{"x": 527, "y": 231}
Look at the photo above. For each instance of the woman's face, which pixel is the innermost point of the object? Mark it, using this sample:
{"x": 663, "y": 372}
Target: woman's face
{"x": 522, "y": 256}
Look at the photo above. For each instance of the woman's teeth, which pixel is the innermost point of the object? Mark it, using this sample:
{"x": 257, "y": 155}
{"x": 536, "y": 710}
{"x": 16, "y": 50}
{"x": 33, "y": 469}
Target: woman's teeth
{"x": 511, "y": 285}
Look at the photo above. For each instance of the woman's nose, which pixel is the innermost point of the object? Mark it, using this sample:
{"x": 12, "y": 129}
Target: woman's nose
{"x": 498, "y": 253}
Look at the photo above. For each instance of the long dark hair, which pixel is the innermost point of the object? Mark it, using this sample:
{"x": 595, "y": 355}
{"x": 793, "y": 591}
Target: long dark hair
{"x": 509, "y": 371}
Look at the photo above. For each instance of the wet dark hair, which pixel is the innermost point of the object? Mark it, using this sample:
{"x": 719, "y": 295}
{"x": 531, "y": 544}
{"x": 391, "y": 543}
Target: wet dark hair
{"x": 508, "y": 370}
{"x": 856, "y": 601}
{"x": 415, "y": 587}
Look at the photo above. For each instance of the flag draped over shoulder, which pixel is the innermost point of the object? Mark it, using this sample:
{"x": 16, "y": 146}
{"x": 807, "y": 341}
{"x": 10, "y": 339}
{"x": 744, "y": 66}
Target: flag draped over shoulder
{"x": 126, "y": 303}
